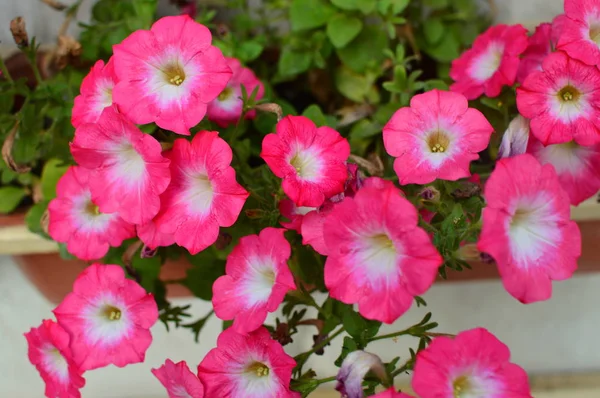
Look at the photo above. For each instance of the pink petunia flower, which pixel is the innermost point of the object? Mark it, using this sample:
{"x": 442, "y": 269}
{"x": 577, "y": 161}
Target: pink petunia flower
{"x": 515, "y": 138}
{"x": 391, "y": 393}
{"x": 436, "y": 137}
{"x": 247, "y": 366}
{"x": 169, "y": 74}
{"x": 526, "y": 228}
{"x": 256, "y": 281}
{"x": 226, "y": 109}
{"x": 293, "y": 213}
{"x": 312, "y": 227}
{"x": 580, "y": 36}
{"x": 152, "y": 237}
{"x": 203, "y": 194}
{"x": 473, "y": 364}
{"x": 311, "y": 160}
{"x": 541, "y": 43}
{"x": 77, "y": 221}
{"x": 355, "y": 367}
{"x": 48, "y": 351}
{"x": 129, "y": 171}
{"x": 562, "y": 101}
{"x": 108, "y": 318}
{"x": 491, "y": 63}
{"x": 96, "y": 93}
{"x": 179, "y": 381}
{"x": 577, "y": 167}
{"x": 377, "y": 256}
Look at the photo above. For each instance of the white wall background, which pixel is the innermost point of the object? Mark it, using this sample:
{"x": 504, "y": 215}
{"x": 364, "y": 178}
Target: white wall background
{"x": 558, "y": 335}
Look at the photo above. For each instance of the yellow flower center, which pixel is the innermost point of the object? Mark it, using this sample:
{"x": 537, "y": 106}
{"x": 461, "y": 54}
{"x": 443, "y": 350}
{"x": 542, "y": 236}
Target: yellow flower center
{"x": 461, "y": 387}
{"x": 92, "y": 209}
{"x": 225, "y": 94}
{"x": 111, "y": 313}
{"x": 174, "y": 74}
{"x": 595, "y": 33}
{"x": 568, "y": 94}
{"x": 438, "y": 142}
{"x": 259, "y": 369}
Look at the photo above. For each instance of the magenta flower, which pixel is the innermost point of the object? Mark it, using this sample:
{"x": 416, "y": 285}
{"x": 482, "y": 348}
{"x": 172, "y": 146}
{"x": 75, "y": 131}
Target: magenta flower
{"x": 562, "y": 101}
{"x": 152, "y": 237}
{"x": 473, "y": 364}
{"x": 203, "y": 194}
{"x": 48, "y": 351}
{"x": 248, "y": 366}
{"x": 77, "y": 221}
{"x": 226, "y": 109}
{"x": 526, "y": 228}
{"x": 310, "y": 160}
{"x": 377, "y": 256}
{"x": 295, "y": 214}
{"x": 577, "y": 167}
{"x": 437, "y": 137}
{"x": 169, "y": 74}
{"x": 108, "y": 318}
{"x": 491, "y": 63}
{"x": 129, "y": 171}
{"x": 96, "y": 93}
{"x": 256, "y": 281}
{"x": 580, "y": 36}
{"x": 541, "y": 43}
{"x": 391, "y": 393}
{"x": 179, "y": 381}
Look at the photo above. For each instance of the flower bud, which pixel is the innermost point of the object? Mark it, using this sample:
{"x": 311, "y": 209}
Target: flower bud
{"x": 19, "y": 33}
{"x": 430, "y": 194}
{"x": 353, "y": 370}
{"x": 514, "y": 140}
{"x": 468, "y": 252}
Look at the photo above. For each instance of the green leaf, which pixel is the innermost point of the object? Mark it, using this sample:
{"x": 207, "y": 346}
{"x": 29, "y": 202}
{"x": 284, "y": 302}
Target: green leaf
{"x": 358, "y": 327}
{"x": 397, "y": 6}
{"x": 10, "y": 197}
{"x": 314, "y": 113}
{"x": 309, "y": 14}
{"x": 355, "y": 86}
{"x": 446, "y": 50}
{"x": 342, "y": 29}
{"x": 293, "y": 62}
{"x": 435, "y": 4}
{"x": 348, "y": 347}
{"x": 64, "y": 253}
{"x": 34, "y": 216}
{"x": 148, "y": 269}
{"x": 436, "y": 84}
{"x": 367, "y": 48}
{"x": 433, "y": 30}
{"x": 205, "y": 270}
{"x": 249, "y": 50}
{"x": 52, "y": 172}
{"x": 366, "y": 6}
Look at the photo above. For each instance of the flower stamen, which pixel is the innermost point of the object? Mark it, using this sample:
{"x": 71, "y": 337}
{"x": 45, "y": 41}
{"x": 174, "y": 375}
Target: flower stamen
{"x": 438, "y": 142}
{"x": 174, "y": 74}
{"x": 568, "y": 94}
{"x": 92, "y": 209}
{"x": 259, "y": 369}
{"x": 461, "y": 386}
{"x": 111, "y": 313}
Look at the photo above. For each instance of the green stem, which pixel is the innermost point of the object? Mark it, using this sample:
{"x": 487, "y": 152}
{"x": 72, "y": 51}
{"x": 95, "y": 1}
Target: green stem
{"x": 322, "y": 344}
{"x": 326, "y": 380}
{"x": 310, "y": 300}
{"x": 392, "y": 335}
{"x": 4, "y": 70}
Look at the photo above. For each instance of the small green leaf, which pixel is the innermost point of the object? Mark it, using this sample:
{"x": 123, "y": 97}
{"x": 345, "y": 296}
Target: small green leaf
{"x": 52, "y": 172}
{"x": 314, "y": 113}
{"x": 433, "y": 30}
{"x": 359, "y": 328}
{"x": 34, "y": 216}
{"x": 309, "y": 14}
{"x": 435, "y": 4}
{"x": 148, "y": 269}
{"x": 446, "y": 50}
{"x": 205, "y": 270}
{"x": 365, "y": 6}
{"x": 248, "y": 50}
{"x": 367, "y": 48}
{"x": 397, "y": 6}
{"x": 64, "y": 253}
{"x": 293, "y": 62}
{"x": 10, "y": 197}
{"x": 348, "y": 347}
{"x": 342, "y": 29}
{"x": 355, "y": 86}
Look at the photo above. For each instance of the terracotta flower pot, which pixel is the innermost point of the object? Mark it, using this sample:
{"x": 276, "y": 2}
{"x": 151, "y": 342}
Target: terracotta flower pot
{"x": 54, "y": 276}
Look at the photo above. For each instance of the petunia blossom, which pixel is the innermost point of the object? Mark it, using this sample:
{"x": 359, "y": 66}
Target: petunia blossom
{"x": 577, "y": 167}
{"x": 256, "y": 281}
{"x": 526, "y": 228}
{"x": 169, "y": 74}
{"x": 436, "y": 137}
{"x": 108, "y": 318}
{"x": 179, "y": 381}
{"x": 354, "y": 368}
{"x": 226, "y": 109}
{"x": 75, "y": 219}
{"x": 377, "y": 255}
{"x": 310, "y": 160}
{"x": 247, "y": 366}
{"x": 580, "y": 37}
{"x": 48, "y": 351}
{"x": 562, "y": 101}
{"x": 129, "y": 171}
{"x": 391, "y": 393}
{"x": 293, "y": 213}
{"x": 96, "y": 93}
{"x": 515, "y": 138}
{"x": 473, "y": 364}
{"x": 152, "y": 237}
{"x": 491, "y": 63}
{"x": 541, "y": 43}
{"x": 203, "y": 195}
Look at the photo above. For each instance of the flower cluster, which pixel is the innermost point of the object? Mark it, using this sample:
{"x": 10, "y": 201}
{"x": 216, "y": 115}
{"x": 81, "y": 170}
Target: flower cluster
{"x": 376, "y": 233}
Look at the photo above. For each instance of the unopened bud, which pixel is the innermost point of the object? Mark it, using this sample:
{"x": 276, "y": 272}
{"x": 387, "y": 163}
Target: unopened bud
{"x": 255, "y": 213}
{"x": 57, "y": 5}
{"x": 223, "y": 240}
{"x": 430, "y": 194}
{"x": 468, "y": 252}
{"x": 19, "y": 32}
{"x": 270, "y": 107}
